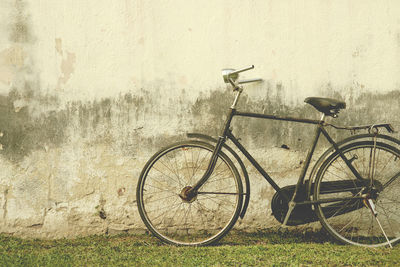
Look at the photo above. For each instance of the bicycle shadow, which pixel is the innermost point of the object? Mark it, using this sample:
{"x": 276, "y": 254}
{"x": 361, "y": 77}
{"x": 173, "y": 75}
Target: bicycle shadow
{"x": 275, "y": 236}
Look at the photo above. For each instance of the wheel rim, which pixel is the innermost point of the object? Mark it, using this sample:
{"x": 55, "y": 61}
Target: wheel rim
{"x": 201, "y": 219}
{"x": 357, "y": 225}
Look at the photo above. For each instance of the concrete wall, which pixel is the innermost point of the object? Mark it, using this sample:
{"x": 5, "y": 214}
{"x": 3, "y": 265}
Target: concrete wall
{"x": 90, "y": 90}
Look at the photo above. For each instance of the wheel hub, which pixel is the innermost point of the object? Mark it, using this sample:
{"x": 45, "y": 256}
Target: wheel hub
{"x": 187, "y": 195}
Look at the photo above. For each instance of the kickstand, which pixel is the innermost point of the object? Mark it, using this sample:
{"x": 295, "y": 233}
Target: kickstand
{"x": 371, "y": 206}
{"x": 291, "y": 205}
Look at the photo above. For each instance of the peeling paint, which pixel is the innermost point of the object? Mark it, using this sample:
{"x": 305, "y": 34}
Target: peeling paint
{"x": 58, "y": 46}
{"x": 10, "y": 60}
{"x": 13, "y": 56}
{"x": 67, "y": 65}
{"x": 67, "y": 68}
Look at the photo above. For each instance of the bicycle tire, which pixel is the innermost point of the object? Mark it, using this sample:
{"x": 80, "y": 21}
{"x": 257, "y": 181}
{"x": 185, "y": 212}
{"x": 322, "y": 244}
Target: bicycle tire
{"x": 205, "y": 219}
{"x": 351, "y": 221}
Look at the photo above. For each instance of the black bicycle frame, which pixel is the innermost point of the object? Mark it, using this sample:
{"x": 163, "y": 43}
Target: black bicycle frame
{"x": 227, "y": 134}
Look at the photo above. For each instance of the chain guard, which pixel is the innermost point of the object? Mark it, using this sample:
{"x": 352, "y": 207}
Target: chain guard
{"x": 301, "y": 214}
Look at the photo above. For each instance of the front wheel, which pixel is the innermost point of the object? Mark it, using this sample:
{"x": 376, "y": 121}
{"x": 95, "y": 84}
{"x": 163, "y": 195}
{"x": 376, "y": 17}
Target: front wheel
{"x": 205, "y": 217}
{"x": 370, "y": 207}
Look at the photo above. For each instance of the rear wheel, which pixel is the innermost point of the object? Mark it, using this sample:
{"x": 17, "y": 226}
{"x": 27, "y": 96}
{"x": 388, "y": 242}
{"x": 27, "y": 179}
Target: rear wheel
{"x": 201, "y": 219}
{"x": 352, "y": 220}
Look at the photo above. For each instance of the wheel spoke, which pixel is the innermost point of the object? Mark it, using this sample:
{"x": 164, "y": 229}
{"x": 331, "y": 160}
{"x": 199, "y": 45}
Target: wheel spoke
{"x": 391, "y": 180}
{"x": 200, "y": 220}
{"x": 361, "y": 227}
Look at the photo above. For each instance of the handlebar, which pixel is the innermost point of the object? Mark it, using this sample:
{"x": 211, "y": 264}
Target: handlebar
{"x": 241, "y": 70}
{"x": 231, "y": 75}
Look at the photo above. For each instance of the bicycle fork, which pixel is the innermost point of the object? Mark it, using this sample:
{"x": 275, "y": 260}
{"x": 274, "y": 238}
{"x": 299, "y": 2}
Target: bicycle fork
{"x": 190, "y": 192}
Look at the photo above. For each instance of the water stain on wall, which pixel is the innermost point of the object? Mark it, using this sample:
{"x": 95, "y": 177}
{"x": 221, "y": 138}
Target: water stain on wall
{"x": 123, "y": 119}
{"x": 20, "y": 31}
{"x": 24, "y": 133}
{"x": 368, "y": 108}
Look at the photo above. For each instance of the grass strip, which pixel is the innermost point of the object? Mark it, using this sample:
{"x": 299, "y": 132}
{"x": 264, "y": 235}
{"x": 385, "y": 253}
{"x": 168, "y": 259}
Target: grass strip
{"x": 237, "y": 248}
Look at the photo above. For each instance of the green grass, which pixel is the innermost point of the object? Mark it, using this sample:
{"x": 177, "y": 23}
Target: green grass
{"x": 237, "y": 248}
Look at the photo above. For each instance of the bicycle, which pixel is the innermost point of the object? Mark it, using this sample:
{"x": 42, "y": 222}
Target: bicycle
{"x": 191, "y": 192}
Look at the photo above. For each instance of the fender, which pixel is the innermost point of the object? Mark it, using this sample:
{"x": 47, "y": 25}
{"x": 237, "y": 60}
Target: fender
{"x": 239, "y": 161}
{"x": 340, "y": 144}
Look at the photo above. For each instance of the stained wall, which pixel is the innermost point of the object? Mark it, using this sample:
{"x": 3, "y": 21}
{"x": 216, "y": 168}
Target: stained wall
{"x": 90, "y": 90}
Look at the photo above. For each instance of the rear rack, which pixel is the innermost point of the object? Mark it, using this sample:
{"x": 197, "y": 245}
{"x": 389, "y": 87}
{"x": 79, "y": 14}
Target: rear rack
{"x": 373, "y": 128}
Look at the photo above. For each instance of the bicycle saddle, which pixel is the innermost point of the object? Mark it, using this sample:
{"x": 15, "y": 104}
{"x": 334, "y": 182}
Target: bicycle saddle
{"x": 328, "y": 106}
